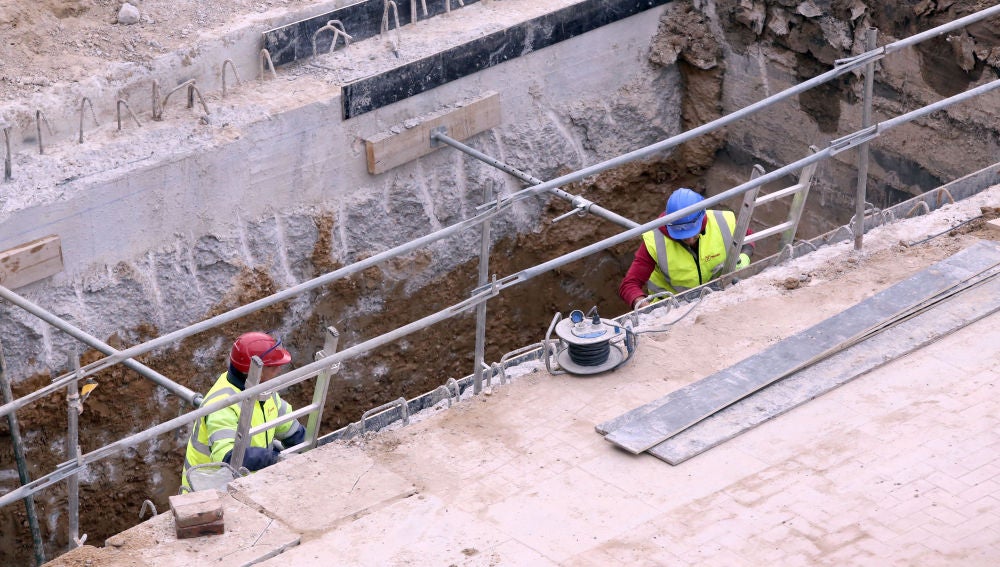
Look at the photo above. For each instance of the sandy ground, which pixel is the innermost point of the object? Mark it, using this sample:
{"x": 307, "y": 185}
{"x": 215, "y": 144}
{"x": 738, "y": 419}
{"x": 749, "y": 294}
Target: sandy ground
{"x": 50, "y": 41}
{"x": 436, "y": 449}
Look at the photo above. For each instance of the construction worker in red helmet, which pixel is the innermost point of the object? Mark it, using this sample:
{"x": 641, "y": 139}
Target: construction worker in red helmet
{"x": 686, "y": 253}
{"x": 213, "y": 436}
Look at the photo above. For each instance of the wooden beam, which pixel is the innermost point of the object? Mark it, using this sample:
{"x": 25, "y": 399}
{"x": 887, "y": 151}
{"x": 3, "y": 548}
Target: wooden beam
{"x": 411, "y": 140}
{"x": 30, "y": 262}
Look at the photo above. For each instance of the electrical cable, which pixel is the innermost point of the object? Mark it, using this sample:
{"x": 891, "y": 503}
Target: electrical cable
{"x": 959, "y": 225}
{"x": 590, "y": 355}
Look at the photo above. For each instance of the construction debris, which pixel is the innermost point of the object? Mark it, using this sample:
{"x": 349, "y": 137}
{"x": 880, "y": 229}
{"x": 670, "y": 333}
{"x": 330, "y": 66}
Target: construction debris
{"x": 197, "y": 514}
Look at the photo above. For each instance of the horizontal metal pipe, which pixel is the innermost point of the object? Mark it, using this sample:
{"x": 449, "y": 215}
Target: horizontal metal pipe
{"x": 183, "y": 392}
{"x": 241, "y": 311}
{"x": 942, "y": 29}
{"x": 285, "y": 380}
{"x": 529, "y": 273}
{"x": 593, "y": 208}
{"x": 309, "y": 370}
{"x": 546, "y": 186}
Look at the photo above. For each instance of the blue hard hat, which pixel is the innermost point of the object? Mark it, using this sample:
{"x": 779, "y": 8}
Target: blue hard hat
{"x": 684, "y": 227}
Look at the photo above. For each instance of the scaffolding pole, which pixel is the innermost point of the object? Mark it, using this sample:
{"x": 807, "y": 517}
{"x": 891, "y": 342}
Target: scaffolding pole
{"x": 22, "y": 463}
{"x": 186, "y": 394}
{"x": 866, "y": 121}
{"x": 73, "y": 410}
{"x": 843, "y": 67}
{"x": 579, "y": 203}
{"x": 484, "y": 277}
{"x": 483, "y": 294}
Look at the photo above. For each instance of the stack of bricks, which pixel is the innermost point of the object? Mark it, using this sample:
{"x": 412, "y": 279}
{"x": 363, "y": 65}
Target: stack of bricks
{"x": 197, "y": 514}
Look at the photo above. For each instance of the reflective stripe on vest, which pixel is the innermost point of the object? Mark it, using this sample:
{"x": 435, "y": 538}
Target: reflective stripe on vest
{"x": 199, "y": 448}
{"x": 712, "y": 248}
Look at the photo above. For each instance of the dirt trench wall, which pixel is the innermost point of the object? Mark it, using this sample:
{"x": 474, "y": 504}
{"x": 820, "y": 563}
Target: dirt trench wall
{"x": 249, "y": 202}
{"x": 160, "y": 243}
{"x": 770, "y": 45}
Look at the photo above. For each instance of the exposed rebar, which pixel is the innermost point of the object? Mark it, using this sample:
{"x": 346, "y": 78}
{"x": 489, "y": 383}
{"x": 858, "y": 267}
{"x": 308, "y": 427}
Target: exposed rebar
{"x": 39, "y": 118}
{"x": 236, "y": 73}
{"x": 413, "y": 10}
{"x": 385, "y": 23}
{"x": 338, "y": 32}
{"x": 157, "y": 107}
{"x": 191, "y": 90}
{"x": 147, "y": 505}
{"x": 7, "y": 160}
{"x": 403, "y": 408}
{"x": 942, "y": 192}
{"x": 835, "y": 147}
{"x": 447, "y": 5}
{"x": 83, "y": 105}
{"x": 132, "y": 114}
{"x": 265, "y": 55}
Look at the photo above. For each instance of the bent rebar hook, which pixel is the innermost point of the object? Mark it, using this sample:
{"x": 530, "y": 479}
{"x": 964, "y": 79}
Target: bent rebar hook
{"x": 83, "y": 106}
{"x": 337, "y": 32}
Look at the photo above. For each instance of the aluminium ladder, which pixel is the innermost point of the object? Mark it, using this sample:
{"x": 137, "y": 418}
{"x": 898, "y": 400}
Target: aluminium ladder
{"x": 799, "y": 193}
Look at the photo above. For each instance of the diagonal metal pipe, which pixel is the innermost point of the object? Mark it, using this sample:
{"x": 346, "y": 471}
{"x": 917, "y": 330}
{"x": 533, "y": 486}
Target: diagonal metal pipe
{"x": 481, "y": 295}
{"x": 188, "y": 395}
{"x": 844, "y": 67}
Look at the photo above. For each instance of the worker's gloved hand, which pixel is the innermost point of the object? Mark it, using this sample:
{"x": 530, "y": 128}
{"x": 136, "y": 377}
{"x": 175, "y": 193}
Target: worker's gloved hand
{"x": 257, "y": 458}
{"x": 743, "y": 262}
{"x": 295, "y": 438}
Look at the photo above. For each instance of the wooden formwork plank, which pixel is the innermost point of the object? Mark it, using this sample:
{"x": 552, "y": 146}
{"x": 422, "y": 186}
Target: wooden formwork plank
{"x": 30, "y": 262}
{"x": 412, "y": 140}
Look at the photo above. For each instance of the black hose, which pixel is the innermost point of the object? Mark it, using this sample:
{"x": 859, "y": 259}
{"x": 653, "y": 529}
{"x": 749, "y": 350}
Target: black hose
{"x": 590, "y": 355}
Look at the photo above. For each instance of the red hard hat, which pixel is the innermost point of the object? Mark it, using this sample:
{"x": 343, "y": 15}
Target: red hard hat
{"x": 257, "y": 344}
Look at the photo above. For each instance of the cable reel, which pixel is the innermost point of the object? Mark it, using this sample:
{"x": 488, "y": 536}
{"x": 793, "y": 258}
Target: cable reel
{"x": 589, "y": 344}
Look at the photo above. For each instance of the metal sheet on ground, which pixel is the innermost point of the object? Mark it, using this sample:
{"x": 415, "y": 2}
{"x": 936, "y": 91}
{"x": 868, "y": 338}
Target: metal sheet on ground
{"x": 793, "y": 391}
{"x": 642, "y": 428}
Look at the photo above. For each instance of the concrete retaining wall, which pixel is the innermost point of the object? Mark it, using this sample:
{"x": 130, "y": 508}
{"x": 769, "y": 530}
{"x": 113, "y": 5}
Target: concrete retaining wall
{"x": 177, "y": 209}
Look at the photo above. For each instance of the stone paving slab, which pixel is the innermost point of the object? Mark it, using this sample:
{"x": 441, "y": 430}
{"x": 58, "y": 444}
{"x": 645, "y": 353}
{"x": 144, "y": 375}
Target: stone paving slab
{"x": 340, "y": 486}
{"x": 250, "y": 537}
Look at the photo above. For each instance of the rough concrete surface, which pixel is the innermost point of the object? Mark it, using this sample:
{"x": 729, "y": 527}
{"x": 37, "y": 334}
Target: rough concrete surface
{"x": 181, "y": 219}
{"x": 898, "y": 466}
{"x": 250, "y": 538}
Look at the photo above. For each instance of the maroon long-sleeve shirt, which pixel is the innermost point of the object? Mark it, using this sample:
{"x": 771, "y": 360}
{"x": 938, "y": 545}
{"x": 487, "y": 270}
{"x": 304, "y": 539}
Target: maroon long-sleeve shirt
{"x": 634, "y": 283}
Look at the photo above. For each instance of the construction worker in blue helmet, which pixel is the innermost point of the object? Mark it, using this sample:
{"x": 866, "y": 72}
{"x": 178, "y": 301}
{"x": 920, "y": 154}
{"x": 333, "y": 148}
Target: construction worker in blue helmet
{"x": 686, "y": 253}
{"x": 214, "y": 436}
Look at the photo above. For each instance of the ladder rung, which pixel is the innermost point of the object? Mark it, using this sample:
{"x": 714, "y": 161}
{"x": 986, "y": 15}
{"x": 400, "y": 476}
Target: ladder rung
{"x": 768, "y": 232}
{"x": 779, "y": 194}
{"x": 285, "y": 418}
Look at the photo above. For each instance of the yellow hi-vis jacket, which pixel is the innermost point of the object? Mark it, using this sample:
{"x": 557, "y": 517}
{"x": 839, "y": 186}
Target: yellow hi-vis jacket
{"x": 214, "y": 435}
{"x": 677, "y": 268}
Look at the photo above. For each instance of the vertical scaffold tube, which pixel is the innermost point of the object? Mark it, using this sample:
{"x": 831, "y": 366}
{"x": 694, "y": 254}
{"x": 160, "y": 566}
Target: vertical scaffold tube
{"x": 22, "y": 465}
{"x": 484, "y": 275}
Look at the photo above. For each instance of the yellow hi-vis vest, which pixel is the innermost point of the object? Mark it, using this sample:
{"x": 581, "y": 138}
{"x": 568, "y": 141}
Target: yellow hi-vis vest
{"x": 676, "y": 269}
{"x": 214, "y": 435}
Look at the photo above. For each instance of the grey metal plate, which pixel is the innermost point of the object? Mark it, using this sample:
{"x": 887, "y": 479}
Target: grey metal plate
{"x": 646, "y": 426}
{"x": 797, "y": 389}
